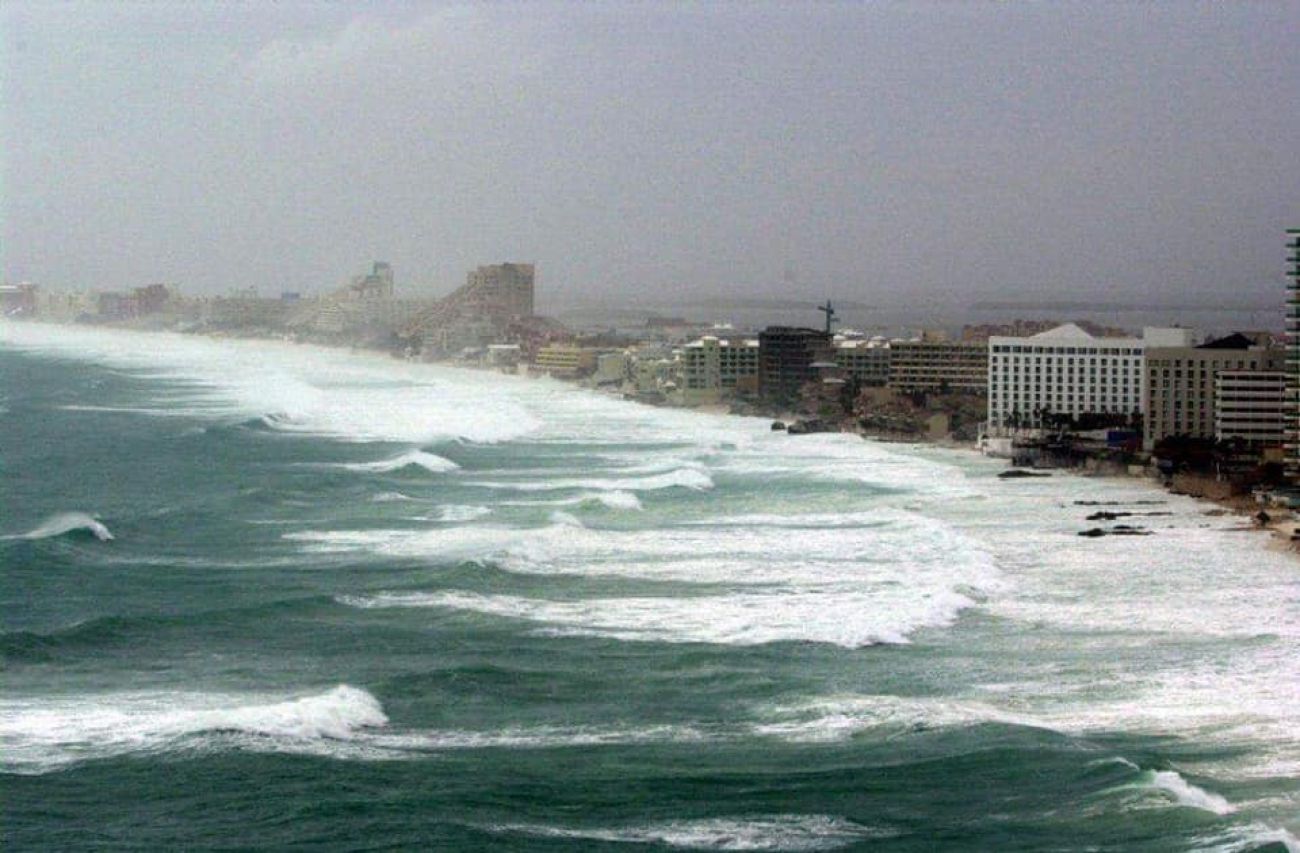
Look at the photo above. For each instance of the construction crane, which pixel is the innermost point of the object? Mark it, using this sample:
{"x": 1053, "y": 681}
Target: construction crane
{"x": 829, "y": 311}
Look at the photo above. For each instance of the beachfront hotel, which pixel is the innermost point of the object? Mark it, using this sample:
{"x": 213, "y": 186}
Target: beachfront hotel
{"x": 1181, "y": 385}
{"x": 713, "y": 367}
{"x": 1067, "y": 371}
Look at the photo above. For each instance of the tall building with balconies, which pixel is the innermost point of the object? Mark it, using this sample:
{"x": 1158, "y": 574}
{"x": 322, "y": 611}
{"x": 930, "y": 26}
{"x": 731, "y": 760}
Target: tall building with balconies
{"x": 785, "y": 360}
{"x": 1293, "y": 354}
{"x": 503, "y": 291}
{"x": 713, "y": 368}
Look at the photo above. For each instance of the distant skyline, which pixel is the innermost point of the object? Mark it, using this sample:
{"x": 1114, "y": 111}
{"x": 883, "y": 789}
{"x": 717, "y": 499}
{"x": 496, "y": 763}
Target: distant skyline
{"x": 883, "y": 153}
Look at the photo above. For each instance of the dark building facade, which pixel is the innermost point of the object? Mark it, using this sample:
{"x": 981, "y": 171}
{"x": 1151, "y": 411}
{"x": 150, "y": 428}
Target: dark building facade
{"x": 785, "y": 360}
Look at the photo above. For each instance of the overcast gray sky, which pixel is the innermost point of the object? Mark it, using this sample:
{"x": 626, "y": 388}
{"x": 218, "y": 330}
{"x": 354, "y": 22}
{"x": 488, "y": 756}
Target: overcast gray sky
{"x": 873, "y": 151}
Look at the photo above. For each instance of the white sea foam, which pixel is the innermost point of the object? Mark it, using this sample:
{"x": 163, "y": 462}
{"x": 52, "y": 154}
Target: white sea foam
{"x": 565, "y": 519}
{"x": 462, "y": 512}
{"x": 835, "y": 718}
{"x": 1250, "y": 837}
{"x": 414, "y": 458}
{"x": 612, "y": 500}
{"x": 539, "y": 737}
{"x": 683, "y": 478}
{"x": 295, "y": 388}
{"x": 876, "y": 583}
{"x": 390, "y": 497}
{"x": 1187, "y": 794}
{"x": 734, "y": 619}
{"x": 41, "y": 735}
{"x": 755, "y": 832}
{"x": 67, "y": 522}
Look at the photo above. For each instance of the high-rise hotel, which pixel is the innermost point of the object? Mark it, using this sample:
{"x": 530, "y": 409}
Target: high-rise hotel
{"x": 1293, "y": 355}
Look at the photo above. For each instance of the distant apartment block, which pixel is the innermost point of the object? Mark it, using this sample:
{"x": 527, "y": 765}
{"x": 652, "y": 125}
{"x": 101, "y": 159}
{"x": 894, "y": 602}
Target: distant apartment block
{"x": 1179, "y": 395}
{"x": 503, "y": 292}
{"x": 865, "y": 362}
{"x": 938, "y": 366}
{"x": 479, "y": 312}
{"x": 1063, "y": 371}
{"x": 712, "y": 368}
{"x": 115, "y": 306}
{"x": 377, "y": 284}
{"x": 1250, "y": 406}
{"x": 18, "y": 300}
{"x": 786, "y": 355}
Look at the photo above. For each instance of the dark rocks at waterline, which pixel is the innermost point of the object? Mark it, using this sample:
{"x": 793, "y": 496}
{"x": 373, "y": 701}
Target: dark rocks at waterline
{"x": 1119, "y": 503}
{"x": 1112, "y": 516}
{"x": 778, "y": 426}
{"x": 1118, "y": 530}
{"x": 808, "y": 426}
{"x": 1021, "y": 473}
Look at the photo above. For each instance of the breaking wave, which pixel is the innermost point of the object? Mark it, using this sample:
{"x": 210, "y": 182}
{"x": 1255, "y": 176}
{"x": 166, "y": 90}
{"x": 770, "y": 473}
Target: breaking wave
{"x": 38, "y": 737}
{"x": 618, "y": 500}
{"x": 415, "y": 458}
{"x": 1187, "y": 794}
{"x": 683, "y": 478}
{"x": 390, "y": 497}
{"x": 836, "y": 718}
{"x": 343, "y": 723}
{"x": 66, "y": 523}
{"x": 462, "y": 512}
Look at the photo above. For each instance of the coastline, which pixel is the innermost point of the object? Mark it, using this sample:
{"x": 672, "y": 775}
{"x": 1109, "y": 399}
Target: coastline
{"x": 1281, "y": 526}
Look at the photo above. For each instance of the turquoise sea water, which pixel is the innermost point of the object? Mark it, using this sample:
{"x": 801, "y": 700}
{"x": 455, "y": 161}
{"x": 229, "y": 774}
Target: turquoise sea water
{"x": 350, "y": 603}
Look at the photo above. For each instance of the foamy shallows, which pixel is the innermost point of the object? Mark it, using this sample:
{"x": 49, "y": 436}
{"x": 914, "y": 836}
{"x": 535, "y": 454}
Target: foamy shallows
{"x": 847, "y": 580}
{"x": 294, "y": 388}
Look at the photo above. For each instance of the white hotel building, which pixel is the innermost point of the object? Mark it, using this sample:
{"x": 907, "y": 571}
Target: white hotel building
{"x": 1067, "y": 371}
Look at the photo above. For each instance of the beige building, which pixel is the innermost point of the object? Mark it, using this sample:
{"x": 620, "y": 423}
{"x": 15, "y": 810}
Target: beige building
{"x": 865, "y": 362}
{"x": 503, "y": 292}
{"x": 565, "y": 360}
{"x": 611, "y": 368}
{"x": 930, "y": 365}
{"x": 712, "y": 368}
{"x": 1178, "y": 395}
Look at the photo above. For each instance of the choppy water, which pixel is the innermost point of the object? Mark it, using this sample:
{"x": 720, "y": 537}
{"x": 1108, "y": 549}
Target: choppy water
{"x": 257, "y": 595}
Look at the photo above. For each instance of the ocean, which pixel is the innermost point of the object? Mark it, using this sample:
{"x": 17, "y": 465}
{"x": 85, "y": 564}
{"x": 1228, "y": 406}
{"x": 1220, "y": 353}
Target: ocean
{"x": 259, "y": 595}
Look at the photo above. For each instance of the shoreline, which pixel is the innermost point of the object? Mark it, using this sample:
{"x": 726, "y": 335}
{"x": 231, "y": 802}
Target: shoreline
{"x": 1282, "y": 526}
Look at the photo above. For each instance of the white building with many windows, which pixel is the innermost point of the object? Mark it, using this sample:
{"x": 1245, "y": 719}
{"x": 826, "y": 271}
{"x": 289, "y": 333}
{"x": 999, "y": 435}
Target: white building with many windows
{"x": 1066, "y": 371}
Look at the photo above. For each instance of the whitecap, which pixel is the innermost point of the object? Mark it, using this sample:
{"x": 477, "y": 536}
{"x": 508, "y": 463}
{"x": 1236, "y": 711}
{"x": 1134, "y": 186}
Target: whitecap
{"x": 756, "y": 832}
{"x": 684, "y": 478}
{"x": 68, "y": 522}
{"x": 462, "y": 512}
{"x": 390, "y": 497}
{"x": 413, "y": 458}
{"x": 40, "y": 735}
{"x": 1187, "y": 794}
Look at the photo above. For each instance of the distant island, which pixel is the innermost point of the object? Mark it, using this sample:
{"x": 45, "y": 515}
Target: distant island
{"x": 1069, "y": 305}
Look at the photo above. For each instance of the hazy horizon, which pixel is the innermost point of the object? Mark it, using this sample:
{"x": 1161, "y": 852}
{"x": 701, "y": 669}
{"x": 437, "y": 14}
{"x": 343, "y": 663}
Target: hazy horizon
{"x": 886, "y": 154}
